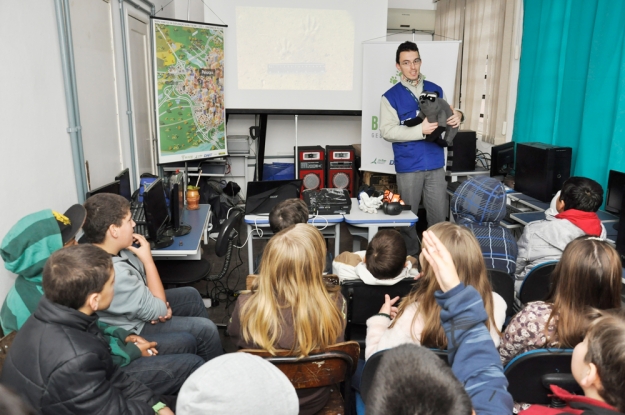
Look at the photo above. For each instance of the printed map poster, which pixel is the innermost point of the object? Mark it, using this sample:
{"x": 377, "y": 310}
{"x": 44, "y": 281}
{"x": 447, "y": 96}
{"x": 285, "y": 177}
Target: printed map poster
{"x": 189, "y": 90}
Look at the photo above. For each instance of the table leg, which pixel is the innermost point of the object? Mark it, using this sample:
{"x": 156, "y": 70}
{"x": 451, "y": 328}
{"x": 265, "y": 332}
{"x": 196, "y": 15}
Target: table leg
{"x": 373, "y": 229}
{"x": 337, "y": 239}
{"x": 250, "y": 251}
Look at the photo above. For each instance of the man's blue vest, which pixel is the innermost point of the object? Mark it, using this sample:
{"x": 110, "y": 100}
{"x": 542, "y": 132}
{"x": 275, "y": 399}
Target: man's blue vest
{"x": 417, "y": 155}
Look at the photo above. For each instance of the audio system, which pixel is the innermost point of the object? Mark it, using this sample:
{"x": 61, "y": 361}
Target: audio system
{"x": 341, "y": 168}
{"x": 311, "y": 166}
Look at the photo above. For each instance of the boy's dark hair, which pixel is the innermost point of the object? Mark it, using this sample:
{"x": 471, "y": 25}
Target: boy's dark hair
{"x": 606, "y": 350}
{"x": 286, "y": 213}
{"x": 71, "y": 274}
{"x": 581, "y": 193}
{"x": 103, "y": 210}
{"x": 407, "y": 46}
{"x": 386, "y": 254}
{"x": 413, "y": 380}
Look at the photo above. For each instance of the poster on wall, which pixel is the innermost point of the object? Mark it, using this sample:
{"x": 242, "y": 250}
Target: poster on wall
{"x": 189, "y": 90}
{"x": 379, "y": 74}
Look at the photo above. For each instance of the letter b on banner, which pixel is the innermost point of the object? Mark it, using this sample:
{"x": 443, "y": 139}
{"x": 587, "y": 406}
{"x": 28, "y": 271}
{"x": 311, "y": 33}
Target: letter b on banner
{"x": 374, "y": 123}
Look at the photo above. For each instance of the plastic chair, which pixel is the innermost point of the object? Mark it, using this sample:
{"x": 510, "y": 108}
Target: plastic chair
{"x": 185, "y": 272}
{"x": 503, "y": 284}
{"x": 364, "y": 301}
{"x": 531, "y": 373}
{"x": 537, "y": 283}
{"x": 335, "y": 365}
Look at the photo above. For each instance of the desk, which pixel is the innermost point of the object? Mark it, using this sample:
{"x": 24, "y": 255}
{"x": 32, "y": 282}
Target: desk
{"x": 373, "y": 221}
{"x": 332, "y": 224}
{"x": 528, "y": 201}
{"x": 524, "y": 218}
{"x": 188, "y": 246}
{"x": 479, "y": 171}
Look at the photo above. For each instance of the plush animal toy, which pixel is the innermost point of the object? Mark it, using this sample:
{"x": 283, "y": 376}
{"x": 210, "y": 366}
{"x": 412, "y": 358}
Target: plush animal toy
{"x": 436, "y": 110}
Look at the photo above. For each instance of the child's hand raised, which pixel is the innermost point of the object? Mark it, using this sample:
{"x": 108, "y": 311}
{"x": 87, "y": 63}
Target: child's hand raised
{"x": 388, "y": 307}
{"x": 439, "y": 258}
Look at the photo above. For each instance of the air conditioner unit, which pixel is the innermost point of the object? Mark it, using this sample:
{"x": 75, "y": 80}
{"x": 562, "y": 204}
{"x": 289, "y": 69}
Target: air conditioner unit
{"x": 406, "y": 19}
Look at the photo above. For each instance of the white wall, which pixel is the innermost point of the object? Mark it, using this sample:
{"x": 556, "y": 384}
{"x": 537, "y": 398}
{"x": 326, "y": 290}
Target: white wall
{"x": 36, "y": 154}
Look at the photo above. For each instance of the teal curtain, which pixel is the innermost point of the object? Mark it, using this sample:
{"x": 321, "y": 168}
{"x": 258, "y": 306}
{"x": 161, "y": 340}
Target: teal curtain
{"x": 571, "y": 89}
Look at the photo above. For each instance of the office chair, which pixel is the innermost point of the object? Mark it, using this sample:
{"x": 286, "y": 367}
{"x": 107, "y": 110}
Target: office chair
{"x": 503, "y": 284}
{"x": 537, "y": 283}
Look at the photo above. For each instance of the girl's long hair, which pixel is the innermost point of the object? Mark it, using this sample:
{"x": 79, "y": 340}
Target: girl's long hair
{"x": 587, "y": 275}
{"x": 467, "y": 256}
{"x": 290, "y": 278}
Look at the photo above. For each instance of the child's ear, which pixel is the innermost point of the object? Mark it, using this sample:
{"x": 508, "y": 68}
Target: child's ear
{"x": 113, "y": 231}
{"x": 93, "y": 301}
{"x": 591, "y": 378}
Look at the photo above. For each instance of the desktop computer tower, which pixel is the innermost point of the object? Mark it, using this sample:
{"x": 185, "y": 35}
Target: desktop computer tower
{"x": 541, "y": 169}
{"x": 461, "y": 154}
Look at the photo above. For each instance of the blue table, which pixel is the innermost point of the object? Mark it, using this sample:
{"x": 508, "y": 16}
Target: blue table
{"x": 528, "y": 201}
{"x": 258, "y": 228}
{"x": 188, "y": 246}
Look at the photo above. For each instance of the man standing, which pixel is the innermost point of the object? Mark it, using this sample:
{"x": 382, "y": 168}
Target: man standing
{"x": 419, "y": 163}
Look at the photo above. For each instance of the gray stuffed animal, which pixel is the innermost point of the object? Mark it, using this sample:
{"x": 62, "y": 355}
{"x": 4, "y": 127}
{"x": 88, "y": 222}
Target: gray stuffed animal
{"x": 436, "y": 110}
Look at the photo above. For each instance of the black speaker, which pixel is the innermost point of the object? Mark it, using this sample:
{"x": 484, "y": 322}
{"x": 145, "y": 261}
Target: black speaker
{"x": 461, "y": 155}
{"x": 541, "y": 169}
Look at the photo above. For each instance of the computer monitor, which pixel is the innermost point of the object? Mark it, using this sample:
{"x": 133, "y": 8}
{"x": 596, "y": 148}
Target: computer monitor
{"x": 502, "y": 159}
{"x": 156, "y": 211}
{"x": 112, "y": 187}
{"x": 263, "y": 196}
{"x": 176, "y": 203}
{"x": 124, "y": 184}
{"x": 616, "y": 188}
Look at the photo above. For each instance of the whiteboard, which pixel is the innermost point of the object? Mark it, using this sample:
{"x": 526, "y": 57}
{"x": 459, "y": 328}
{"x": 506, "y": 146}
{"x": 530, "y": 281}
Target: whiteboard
{"x": 379, "y": 74}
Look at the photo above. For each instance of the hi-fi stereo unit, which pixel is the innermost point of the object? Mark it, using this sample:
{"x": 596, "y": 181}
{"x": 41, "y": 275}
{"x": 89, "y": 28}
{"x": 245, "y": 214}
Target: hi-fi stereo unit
{"x": 311, "y": 165}
{"x": 341, "y": 168}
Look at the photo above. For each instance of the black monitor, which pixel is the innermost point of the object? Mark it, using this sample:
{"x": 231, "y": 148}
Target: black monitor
{"x": 124, "y": 184}
{"x": 156, "y": 213}
{"x": 502, "y": 159}
{"x": 176, "y": 203}
{"x": 263, "y": 196}
{"x": 616, "y": 188}
{"x": 112, "y": 187}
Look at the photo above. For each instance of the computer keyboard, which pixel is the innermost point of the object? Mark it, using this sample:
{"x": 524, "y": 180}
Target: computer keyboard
{"x": 511, "y": 210}
{"x": 142, "y": 230}
{"x": 138, "y": 214}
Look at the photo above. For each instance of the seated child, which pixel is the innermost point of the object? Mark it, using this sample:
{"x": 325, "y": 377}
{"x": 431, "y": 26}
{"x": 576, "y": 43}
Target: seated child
{"x": 287, "y": 213}
{"x": 290, "y": 306}
{"x": 588, "y": 275}
{"x": 479, "y": 203}
{"x": 383, "y": 263}
{"x": 141, "y": 305}
{"x": 25, "y": 249}
{"x": 413, "y": 380}
{"x": 59, "y": 361}
{"x": 418, "y": 318}
{"x": 598, "y": 366}
{"x": 544, "y": 240}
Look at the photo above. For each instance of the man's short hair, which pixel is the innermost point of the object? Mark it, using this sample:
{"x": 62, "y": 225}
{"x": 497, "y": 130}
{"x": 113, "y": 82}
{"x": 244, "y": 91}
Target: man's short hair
{"x": 386, "y": 254}
{"x": 286, "y": 213}
{"x": 407, "y": 46}
{"x": 412, "y": 380}
{"x": 71, "y": 274}
{"x": 581, "y": 193}
{"x": 103, "y": 210}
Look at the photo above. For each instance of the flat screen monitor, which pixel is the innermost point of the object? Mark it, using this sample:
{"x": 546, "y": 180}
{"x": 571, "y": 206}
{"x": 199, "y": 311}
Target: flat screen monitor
{"x": 156, "y": 211}
{"x": 263, "y": 196}
{"x": 112, "y": 187}
{"x": 176, "y": 203}
{"x": 616, "y": 188}
{"x": 124, "y": 184}
{"x": 502, "y": 159}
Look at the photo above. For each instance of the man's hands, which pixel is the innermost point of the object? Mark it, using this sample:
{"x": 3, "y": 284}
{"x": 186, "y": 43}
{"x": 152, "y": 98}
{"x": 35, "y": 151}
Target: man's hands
{"x": 143, "y": 252}
{"x": 388, "y": 307}
{"x": 439, "y": 258}
{"x": 428, "y": 127}
{"x": 454, "y": 120}
{"x": 147, "y": 348}
{"x": 164, "y": 318}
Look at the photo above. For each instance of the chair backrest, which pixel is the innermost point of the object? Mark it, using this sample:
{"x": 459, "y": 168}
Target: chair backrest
{"x": 228, "y": 232}
{"x": 537, "y": 283}
{"x": 530, "y": 374}
{"x": 364, "y": 301}
{"x": 330, "y": 280}
{"x": 503, "y": 284}
{"x": 321, "y": 368}
{"x": 5, "y": 344}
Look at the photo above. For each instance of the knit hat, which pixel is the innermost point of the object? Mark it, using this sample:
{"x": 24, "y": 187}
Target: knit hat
{"x": 71, "y": 221}
{"x": 479, "y": 199}
{"x": 237, "y": 383}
